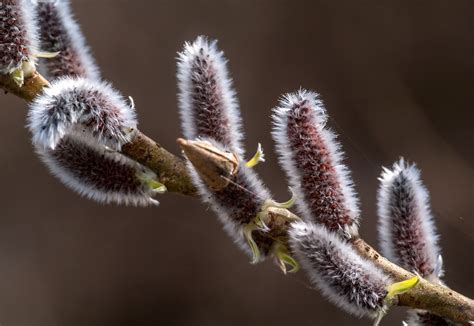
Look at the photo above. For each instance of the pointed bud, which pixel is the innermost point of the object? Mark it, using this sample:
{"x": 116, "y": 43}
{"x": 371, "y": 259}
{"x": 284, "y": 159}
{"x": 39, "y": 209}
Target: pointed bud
{"x": 83, "y": 109}
{"x": 349, "y": 281}
{"x": 215, "y": 167}
{"x": 18, "y": 40}
{"x": 101, "y": 174}
{"x": 406, "y": 230}
{"x": 207, "y": 102}
{"x": 311, "y": 158}
{"x": 59, "y": 33}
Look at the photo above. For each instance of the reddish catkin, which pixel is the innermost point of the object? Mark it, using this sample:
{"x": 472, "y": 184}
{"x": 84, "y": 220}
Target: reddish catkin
{"x": 18, "y": 39}
{"x": 207, "y": 101}
{"x": 59, "y": 33}
{"x": 311, "y": 158}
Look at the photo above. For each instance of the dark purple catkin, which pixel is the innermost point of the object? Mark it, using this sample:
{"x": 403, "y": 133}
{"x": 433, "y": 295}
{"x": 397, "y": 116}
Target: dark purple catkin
{"x": 209, "y": 112}
{"x": 311, "y": 158}
{"x": 18, "y": 41}
{"x": 407, "y": 232}
{"x": 59, "y": 33}
{"x": 82, "y": 108}
{"x": 207, "y": 101}
{"x": 349, "y": 281}
{"x": 100, "y": 174}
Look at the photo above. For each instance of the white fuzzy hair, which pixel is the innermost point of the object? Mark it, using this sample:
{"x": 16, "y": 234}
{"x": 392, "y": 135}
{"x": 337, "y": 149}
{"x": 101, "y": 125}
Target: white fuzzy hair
{"x": 79, "y": 153}
{"x": 72, "y": 30}
{"x": 287, "y": 161}
{"x": 63, "y": 108}
{"x": 200, "y": 49}
{"x": 405, "y": 178}
{"x": 26, "y": 23}
{"x": 30, "y": 23}
{"x": 352, "y": 283}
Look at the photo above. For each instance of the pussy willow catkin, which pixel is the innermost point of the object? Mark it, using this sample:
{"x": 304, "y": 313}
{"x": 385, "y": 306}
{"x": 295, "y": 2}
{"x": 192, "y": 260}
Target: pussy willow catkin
{"x": 312, "y": 160}
{"x": 18, "y": 39}
{"x": 407, "y": 233}
{"x": 349, "y": 281}
{"x": 60, "y": 34}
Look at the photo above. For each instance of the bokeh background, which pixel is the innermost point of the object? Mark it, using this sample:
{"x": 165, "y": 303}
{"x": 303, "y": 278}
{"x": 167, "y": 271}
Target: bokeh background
{"x": 396, "y": 77}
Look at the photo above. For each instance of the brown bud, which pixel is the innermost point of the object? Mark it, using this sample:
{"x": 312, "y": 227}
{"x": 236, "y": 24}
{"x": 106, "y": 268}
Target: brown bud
{"x": 215, "y": 167}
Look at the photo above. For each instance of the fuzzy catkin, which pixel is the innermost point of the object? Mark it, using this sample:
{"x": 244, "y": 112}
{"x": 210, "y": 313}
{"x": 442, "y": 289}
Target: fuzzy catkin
{"x": 349, "y": 281}
{"x": 209, "y": 111}
{"x": 83, "y": 108}
{"x": 18, "y": 39}
{"x": 311, "y": 158}
{"x": 406, "y": 229}
{"x": 59, "y": 33}
{"x": 98, "y": 173}
{"x": 207, "y": 101}
{"x": 407, "y": 233}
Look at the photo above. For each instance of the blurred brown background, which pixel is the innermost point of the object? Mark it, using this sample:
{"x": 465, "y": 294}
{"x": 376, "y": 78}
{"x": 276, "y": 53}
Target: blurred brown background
{"x": 397, "y": 78}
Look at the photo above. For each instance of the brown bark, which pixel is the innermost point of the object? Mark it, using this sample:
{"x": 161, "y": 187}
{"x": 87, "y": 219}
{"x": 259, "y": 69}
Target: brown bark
{"x": 32, "y": 86}
{"x": 435, "y": 298}
{"x": 171, "y": 170}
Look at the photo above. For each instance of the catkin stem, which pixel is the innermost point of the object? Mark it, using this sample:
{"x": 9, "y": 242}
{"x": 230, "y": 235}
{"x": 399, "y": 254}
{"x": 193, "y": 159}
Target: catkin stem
{"x": 171, "y": 171}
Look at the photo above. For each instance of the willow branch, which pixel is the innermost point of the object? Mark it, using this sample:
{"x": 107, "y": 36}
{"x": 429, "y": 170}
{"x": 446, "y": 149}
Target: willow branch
{"x": 435, "y": 298}
{"x": 171, "y": 171}
{"x": 32, "y": 85}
